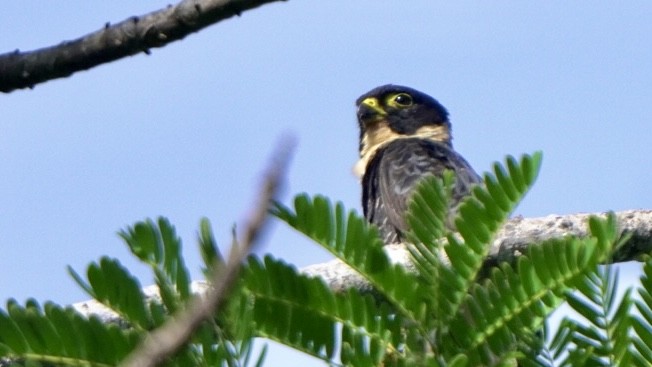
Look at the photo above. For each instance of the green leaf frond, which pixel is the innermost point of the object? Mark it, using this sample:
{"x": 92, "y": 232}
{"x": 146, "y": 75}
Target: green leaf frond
{"x": 428, "y": 210}
{"x": 55, "y": 336}
{"x": 642, "y": 339}
{"x": 303, "y": 313}
{"x": 158, "y": 246}
{"x": 60, "y": 336}
{"x": 479, "y": 218}
{"x": 346, "y": 235}
{"x": 354, "y": 241}
{"x": 208, "y": 247}
{"x": 113, "y": 285}
{"x": 607, "y": 334}
{"x": 512, "y": 303}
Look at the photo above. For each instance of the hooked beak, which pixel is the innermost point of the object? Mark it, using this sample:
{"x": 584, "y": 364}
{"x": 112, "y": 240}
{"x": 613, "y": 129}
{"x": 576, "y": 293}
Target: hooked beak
{"x": 370, "y": 111}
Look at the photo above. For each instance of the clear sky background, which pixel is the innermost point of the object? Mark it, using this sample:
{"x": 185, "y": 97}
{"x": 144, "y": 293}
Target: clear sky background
{"x": 186, "y": 131}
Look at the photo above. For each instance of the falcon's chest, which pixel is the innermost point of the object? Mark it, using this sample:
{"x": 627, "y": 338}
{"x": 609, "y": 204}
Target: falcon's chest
{"x": 380, "y": 135}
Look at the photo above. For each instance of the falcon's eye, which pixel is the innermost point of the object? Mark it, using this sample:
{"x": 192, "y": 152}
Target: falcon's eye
{"x": 403, "y": 99}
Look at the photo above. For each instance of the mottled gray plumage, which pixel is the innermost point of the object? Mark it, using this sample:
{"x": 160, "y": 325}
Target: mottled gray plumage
{"x": 401, "y": 143}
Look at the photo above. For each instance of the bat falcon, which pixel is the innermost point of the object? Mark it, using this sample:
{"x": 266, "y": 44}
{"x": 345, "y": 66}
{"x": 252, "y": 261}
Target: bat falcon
{"x": 405, "y": 135}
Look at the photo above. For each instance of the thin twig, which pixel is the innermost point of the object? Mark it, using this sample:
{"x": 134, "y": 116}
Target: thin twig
{"x": 164, "y": 341}
{"x": 131, "y": 36}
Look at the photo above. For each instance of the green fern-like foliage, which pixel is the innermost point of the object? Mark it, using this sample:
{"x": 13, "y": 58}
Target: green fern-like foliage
{"x": 450, "y": 316}
{"x": 54, "y": 335}
{"x": 480, "y": 217}
{"x": 305, "y": 314}
{"x": 351, "y": 239}
{"x": 51, "y": 335}
{"x": 511, "y": 306}
{"x": 642, "y": 323}
{"x": 607, "y": 332}
{"x": 450, "y": 310}
{"x": 592, "y": 344}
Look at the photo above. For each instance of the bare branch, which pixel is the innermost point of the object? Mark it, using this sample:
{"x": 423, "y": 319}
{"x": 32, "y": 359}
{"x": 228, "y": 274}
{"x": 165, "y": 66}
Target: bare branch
{"x": 164, "y": 341}
{"x": 520, "y": 233}
{"x": 131, "y": 36}
{"x": 513, "y": 240}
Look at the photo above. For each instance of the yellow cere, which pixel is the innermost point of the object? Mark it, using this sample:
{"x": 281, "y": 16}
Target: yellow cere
{"x": 372, "y": 102}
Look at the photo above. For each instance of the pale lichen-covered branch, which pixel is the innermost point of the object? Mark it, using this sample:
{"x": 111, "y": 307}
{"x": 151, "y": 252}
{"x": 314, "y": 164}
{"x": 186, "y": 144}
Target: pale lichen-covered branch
{"x": 513, "y": 240}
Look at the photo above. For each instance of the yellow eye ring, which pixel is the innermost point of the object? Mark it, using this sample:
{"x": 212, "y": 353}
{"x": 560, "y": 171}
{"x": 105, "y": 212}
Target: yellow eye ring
{"x": 403, "y": 99}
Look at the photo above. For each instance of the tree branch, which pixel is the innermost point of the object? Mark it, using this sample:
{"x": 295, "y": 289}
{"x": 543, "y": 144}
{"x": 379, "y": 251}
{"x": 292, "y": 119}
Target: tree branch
{"x": 134, "y": 35}
{"x": 512, "y": 241}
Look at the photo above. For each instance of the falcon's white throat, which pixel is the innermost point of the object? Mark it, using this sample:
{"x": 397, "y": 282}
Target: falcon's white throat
{"x": 381, "y": 134}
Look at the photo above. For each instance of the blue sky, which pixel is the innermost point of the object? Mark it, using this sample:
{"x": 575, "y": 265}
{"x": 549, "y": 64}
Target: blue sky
{"x": 186, "y": 131}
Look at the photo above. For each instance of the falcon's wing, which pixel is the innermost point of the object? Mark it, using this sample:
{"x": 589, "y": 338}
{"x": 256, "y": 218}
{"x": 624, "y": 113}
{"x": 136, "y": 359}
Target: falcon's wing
{"x": 398, "y": 167}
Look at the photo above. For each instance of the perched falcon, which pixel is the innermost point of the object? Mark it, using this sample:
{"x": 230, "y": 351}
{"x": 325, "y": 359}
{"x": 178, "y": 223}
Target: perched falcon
{"x": 405, "y": 135}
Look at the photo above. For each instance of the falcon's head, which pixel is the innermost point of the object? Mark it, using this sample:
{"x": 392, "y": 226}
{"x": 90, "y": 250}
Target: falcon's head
{"x": 393, "y": 112}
